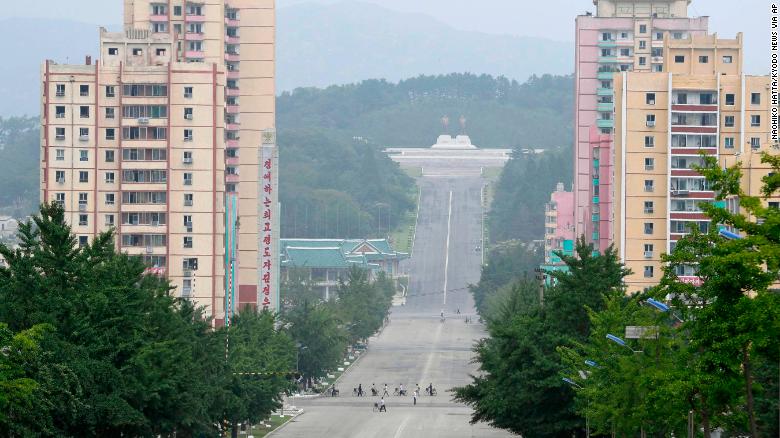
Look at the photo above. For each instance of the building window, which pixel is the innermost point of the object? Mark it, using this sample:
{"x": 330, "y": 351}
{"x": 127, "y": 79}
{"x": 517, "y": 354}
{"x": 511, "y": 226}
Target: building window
{"x": 137, "y": 52}
{"x": 659, "y": 36}
{"x": 84, "y": 134}
{"x": 59, "y": 112}
{"x": 704, "y": 59}
{"x": 649, "y": 186}
{"x": 755, "y": 120}
{"x": 83, "y": 155}
{"x": 642, "y": 28}
{"x": 188, "y": 135}
{"x": 83, "y": 176}
{"x": 177, "y": 11}
{"x": 110, "y": 91}
{"x": 728, "y": 121}
{"x": 83, "y": 219}
{"x": 110, "y": 220}
{"x": 59, "y": 176}
{"x": 728, "y": 59}
{"x": 187, "y": 178}
{"x": 648, "y": 228}
{"x": 113, "y": 51}
{"x": 188, "y": 92}
{"x": 642, "y": 60}
{"x": 649, "y": 207}
{"x": 755, "y": 142}
{"x": 109, "y": 156}
{"x": 60, "y": 90}
{"x": 110, "y": 134}
{"x": 84, "y": 90}
{"x": 649, "y": 141}
{"x": 650, "y": 120}
{"x": 60, "y": 199}
{"x": 190, "y": 264}
{"x": 188, "y": 199}
{"x": 187, "y": 159}
{"x": 188, "y": 241}
{"x": 729, "y": 99}
{"x": 774, "y": 204}
{"x": 60, "y": 154}
{"x": 677, "y": 35}
{"x": 110, "y": 113}
{"x": 707, "y": 99}
{"x": 110, "y": 177}
{"x": 59, "y": 133}
{"x": 625, "y": 52}
{"x": 648, "y": 250}
{"x": 755, "y": 98}
{"x": 642, "y": 45}
{"x": 83, "y": 241}
{"x": 650, "y": 98}
{"x": 728, "y": 142}
{"x": 82, "y": 199}
{"x": 648, "y": 272}
{"x": 110, "y": 199}
{"x": 84, "y": 112}
{"x": 188, "y": 113}
{"x": 649, "y": 163}
{"x": 679, "y": 59}
{"x": 160, "y": 52}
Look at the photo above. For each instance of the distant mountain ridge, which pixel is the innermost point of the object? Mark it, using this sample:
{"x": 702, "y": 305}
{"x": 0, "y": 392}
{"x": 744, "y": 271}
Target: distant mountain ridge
{"x": 317, "y": 45}
{"x": 321, "y": 45}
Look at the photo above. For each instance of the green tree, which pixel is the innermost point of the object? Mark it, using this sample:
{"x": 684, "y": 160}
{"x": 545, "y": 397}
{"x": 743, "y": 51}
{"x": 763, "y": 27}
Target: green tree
{"x": 363, "y": 305}
{"x": 733, "y": 316}
{"x": 507, "y": 263}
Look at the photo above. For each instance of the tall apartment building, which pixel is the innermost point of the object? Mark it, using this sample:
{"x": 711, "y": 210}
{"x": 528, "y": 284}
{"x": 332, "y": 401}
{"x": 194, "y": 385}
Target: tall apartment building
{"x": 700, "y": 103}
{"x": 558, "y": 229}
{"x": 205, "y": 71}
{"x": 623, "y": 35}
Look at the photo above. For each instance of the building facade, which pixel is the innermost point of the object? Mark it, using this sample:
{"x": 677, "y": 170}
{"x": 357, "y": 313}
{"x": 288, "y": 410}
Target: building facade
{"x": 169, "y": 138}
{"x": 623, "y": 35}
{"x": 559, "y": 226}
{"x": 700, "y": 103}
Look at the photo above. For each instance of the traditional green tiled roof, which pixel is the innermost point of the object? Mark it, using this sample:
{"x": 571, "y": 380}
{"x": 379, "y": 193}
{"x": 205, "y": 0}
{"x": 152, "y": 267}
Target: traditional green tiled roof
{"x": 337, "y": 253}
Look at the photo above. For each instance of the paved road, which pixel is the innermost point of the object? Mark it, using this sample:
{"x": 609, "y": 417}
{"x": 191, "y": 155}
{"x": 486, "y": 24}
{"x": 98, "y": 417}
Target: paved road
{"x": 416, "y": 347}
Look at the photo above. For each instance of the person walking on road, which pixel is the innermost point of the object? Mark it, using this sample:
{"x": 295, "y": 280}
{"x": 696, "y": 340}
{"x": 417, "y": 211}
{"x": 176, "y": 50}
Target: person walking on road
{"x": 374, "y": 392}
{"x": 385, "y": 393}
{"x": 382, "y": 407}
{"x": 360, "y": 390}
{"x": 415, "y": 395}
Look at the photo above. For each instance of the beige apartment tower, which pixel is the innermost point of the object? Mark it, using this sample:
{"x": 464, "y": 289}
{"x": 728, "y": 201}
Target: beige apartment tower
{"x": 182, "y": 103}
{"x": 700, "y": 103}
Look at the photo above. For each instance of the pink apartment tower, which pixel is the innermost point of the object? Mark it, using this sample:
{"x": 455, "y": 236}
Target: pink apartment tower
{"x": 623, "y": 35}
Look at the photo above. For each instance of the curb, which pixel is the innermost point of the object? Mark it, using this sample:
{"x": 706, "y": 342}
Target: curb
{"x": 273, "y": 432}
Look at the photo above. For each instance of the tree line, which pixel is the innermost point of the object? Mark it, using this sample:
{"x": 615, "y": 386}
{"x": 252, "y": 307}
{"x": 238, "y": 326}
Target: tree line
{"x": 702, "y": 358}
{"x": 92, "y": 346}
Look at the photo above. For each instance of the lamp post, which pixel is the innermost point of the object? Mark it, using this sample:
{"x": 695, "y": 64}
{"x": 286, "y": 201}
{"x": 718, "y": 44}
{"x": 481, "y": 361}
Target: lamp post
{"x": 621, "y": 342}
{"x": 587, "y": 401}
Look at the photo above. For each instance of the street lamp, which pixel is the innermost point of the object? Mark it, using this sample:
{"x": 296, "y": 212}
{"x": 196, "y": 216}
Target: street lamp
{"x": 621, "y": 342}
{"x": 591, "y": 363}
{"x": 728, "y": 234}
{"x": 662, "y": 307}
{"x": 587, "y": 421}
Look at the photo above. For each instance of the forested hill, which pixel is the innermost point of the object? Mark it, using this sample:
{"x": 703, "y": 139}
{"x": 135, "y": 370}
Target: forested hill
{"x": 500, "y": 112}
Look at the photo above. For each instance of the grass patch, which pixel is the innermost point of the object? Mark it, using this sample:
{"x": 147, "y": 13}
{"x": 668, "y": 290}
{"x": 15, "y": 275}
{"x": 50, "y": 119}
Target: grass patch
{"x": 403, "y": 234}
{"x": 275, "y": 421}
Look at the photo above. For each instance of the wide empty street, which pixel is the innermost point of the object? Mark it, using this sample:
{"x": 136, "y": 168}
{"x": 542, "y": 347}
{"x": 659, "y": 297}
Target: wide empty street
{"x": 416, "y": 348}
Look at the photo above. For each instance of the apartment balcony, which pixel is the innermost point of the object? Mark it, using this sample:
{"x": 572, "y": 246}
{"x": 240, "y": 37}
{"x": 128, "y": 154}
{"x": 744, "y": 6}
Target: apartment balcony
{"x": 232, "y": 39}
{"x": 232, "y": 57}
{"x": 158, "y": 18}
{"x": 604, "y": 91}
{"x": 695, "y": 108}
{"x": 603, "y": 123}
{"x": 232, "y": 178}
{"x": 194, "y": 54}
{"x": 193, "y": 36}
{"x": 692, "y": 194}
{"x": 608, "y": 59}
{"x": 690, "y": 215}
{"x": 232, "y": 22}
{"x": 606, "y": 75}
{"x": 685, "y": 172}
{"x": 232, "y": 161}
{"x": 607, "y": 44}
{"x": 194, "y": 18}
{"x": 692, "y": 129}
{"x": 233, "y": 74}
{"x": 694, "y": 151}
{"x": 232, "y": 91}
{"x": 231, "y": 143}
{"x": 605, "y": 106}
{"x": 232, "y": 109}
{"x": 232, "y": 127}
{"x": 657, "y": 43}
{"x": 625, "y": 43}
{"x": 657, "y": 59}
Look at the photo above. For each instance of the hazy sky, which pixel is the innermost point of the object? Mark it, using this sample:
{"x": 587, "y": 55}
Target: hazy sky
{"x": 553, "y": 19}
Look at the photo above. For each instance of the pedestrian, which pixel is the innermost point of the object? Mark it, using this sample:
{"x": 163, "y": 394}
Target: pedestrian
{"x": 360, "y": 390}
{"x": 386, "y": 393}
{"x": 417, "y": 390}
{"x": 382, "y": 407}
{"x": 374, "y": 392}
{"x": 414, "y": 397}
{"x": 401, "y": 390}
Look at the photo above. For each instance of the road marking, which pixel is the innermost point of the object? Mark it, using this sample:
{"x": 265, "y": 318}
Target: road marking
{"x": 429, "y": 360}
{"x": 416, "y": 220}
{"x": 447, "y": 250}
{"x": 401, "y": 427}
